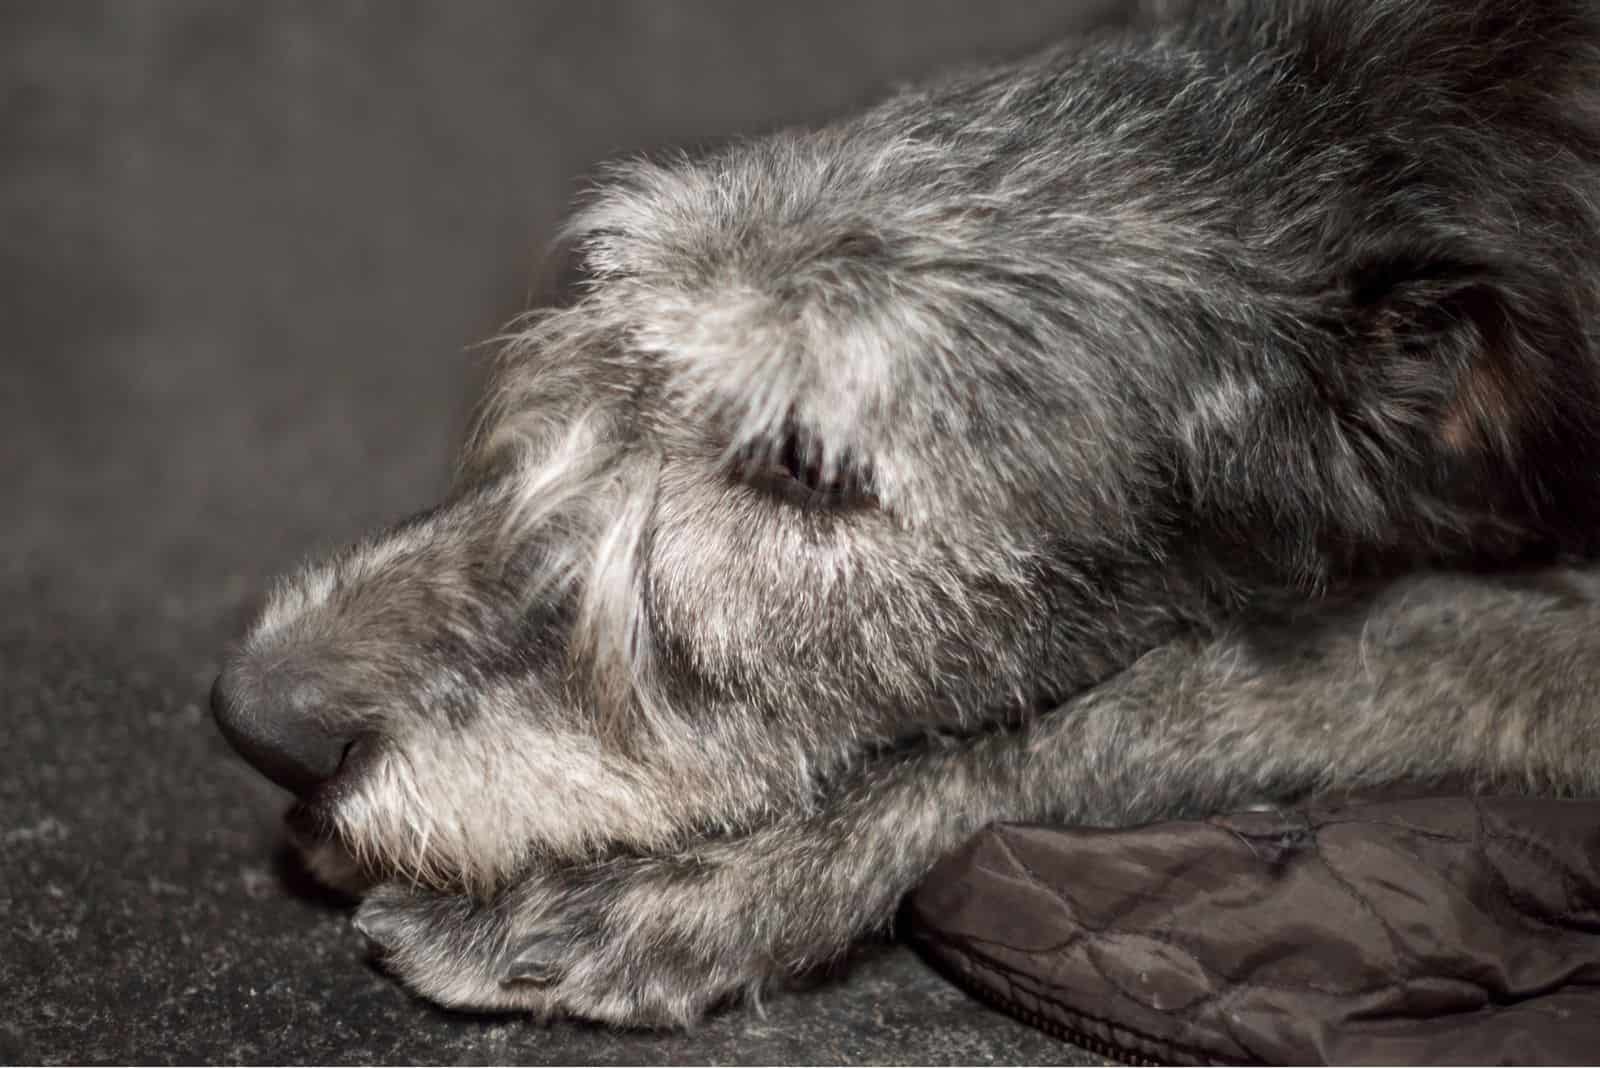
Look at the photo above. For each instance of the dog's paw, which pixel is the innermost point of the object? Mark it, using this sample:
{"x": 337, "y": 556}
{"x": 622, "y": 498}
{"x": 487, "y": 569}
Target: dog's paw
{"x": 635, "y": 943}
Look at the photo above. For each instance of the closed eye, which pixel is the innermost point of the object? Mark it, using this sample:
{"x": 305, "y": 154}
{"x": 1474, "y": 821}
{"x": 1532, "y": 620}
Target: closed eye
{"x": 798, "y": 470}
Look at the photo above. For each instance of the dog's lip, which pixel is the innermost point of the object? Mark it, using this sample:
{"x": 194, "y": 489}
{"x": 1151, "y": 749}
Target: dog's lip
{"x": 309, "y": 822}
{"x": 313, "y": 816}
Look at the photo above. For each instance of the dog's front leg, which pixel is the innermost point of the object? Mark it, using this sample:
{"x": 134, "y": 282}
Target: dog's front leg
{"x": 1497, "y": 681}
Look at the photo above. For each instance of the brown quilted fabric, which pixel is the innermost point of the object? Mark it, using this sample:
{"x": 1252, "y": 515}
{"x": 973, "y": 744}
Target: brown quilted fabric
{"x": 1449, "y": 930}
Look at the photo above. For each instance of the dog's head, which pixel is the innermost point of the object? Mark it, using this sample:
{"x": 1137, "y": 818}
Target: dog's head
{"x": 922, "y": 420}
{"x": 785, "y": 483}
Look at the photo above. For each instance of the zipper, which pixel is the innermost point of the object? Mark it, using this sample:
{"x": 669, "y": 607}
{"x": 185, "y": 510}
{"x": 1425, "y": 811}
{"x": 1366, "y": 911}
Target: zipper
{"x": 962, "y": 967}
{"x": 1092, "y": 1044}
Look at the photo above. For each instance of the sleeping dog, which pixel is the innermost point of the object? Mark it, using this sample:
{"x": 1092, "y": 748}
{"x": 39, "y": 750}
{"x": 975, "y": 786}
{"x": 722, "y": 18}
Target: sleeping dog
{"x": 1174, "y": 419}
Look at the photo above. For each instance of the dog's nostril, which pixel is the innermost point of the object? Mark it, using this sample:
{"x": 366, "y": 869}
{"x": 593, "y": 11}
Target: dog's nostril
{"x": 275, "y": 725}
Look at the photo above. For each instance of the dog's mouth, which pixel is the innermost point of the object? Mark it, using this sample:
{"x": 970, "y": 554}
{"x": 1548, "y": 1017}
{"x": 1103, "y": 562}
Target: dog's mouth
{"x": 313, "y": 831}
{"x": 312, "y": 820}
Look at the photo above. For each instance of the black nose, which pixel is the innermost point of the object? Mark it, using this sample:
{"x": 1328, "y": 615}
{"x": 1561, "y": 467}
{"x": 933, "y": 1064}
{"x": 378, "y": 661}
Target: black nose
{"x": 280, "y": 727}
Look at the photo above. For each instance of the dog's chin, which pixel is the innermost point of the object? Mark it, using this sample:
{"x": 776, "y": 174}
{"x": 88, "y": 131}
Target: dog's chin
{"x": 324, "y": 855}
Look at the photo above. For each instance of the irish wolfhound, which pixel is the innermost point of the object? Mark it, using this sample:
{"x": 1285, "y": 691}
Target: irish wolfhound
{"x": 1166, "y": 421}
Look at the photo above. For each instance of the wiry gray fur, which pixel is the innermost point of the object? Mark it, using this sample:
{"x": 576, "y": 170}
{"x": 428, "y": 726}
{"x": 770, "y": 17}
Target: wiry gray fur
{"x": 1231, "y": 386}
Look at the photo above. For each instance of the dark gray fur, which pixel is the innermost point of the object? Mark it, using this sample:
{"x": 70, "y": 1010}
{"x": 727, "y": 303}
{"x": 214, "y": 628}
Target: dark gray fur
{"x": 1230, "y": 389}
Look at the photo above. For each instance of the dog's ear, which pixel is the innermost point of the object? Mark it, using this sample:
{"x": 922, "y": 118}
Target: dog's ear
{"x": 1422, "y": 392}
{"x": 1458, "y": 358}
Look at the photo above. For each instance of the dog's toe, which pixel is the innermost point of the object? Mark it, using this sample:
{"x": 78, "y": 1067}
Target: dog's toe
{"x": 537, "y": 962}
{"x": 381, "y": 928}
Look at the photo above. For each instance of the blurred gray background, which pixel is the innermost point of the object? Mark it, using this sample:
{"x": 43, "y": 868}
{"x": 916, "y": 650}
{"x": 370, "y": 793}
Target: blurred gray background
{"x": 245, "y": 254}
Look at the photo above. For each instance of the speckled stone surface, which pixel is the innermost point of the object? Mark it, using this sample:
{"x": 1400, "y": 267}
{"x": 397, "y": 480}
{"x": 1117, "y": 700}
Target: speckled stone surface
{"x": 243, "y": 255}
